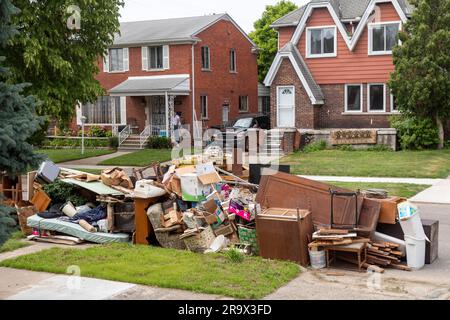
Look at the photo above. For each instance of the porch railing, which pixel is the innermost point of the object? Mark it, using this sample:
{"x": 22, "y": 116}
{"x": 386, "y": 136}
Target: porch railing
{"x": 124, "y": 134}
{"x": 152, "y": 131}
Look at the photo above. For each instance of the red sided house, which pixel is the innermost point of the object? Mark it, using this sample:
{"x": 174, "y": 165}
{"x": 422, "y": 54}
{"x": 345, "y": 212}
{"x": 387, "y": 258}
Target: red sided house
{"x": 204, "y": 67}
{"x": 334, "y": 60}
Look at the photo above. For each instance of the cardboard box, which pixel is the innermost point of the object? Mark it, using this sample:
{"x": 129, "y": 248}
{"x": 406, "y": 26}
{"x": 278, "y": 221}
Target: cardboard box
{"x": 207, "y": 174}
{"x": 389, "y": 211}
{"x": 192, "y": 189}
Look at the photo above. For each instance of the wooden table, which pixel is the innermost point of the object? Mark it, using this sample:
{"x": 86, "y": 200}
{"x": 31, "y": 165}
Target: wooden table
{"x": 143, "y": 226}
{"x": 360, "y": 249}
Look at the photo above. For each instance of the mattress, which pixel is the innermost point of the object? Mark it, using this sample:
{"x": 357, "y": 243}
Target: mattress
{"x": 75, "y": 230}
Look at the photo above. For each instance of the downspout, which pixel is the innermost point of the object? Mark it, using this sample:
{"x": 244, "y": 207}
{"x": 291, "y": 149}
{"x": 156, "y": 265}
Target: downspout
{"x": 194, "y": 118}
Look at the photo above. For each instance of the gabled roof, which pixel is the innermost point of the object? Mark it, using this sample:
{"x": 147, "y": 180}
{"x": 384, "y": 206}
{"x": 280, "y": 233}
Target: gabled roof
{"x": 168, "y": 30}
{"x": 346, "y": 10}
{"x": 291, "y": 52}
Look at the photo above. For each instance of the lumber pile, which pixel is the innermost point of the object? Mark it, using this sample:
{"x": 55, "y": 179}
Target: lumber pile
{"x": 385, "y": 254}
{"x": 380, "y": 255}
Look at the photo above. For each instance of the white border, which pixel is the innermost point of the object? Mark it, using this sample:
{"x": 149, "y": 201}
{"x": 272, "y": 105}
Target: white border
{"x": 370, "y": 37}
{"x": 349, "y": 41}
{"x": 278, "y": 99}
{"x": 201, "y": 113}
{"x": 368, "y": 97}
{"x": 276, "y": 65}
{"x": 361, "y": 98}
{"x": 391, "y": 104}
{"x": 248, "y": 108}
{"x": 308, "y": 43}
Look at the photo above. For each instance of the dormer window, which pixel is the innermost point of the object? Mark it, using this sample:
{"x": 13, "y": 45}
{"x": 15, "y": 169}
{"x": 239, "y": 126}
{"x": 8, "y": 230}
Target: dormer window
{"x": 383, "y": 37}
{"x": 321, "y": 42}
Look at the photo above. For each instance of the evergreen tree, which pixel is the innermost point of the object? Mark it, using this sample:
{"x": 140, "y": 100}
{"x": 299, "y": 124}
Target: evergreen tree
{"x": 421, "y": 82}
{"x": 17, "y": 121}
{"x": 17, "y": 113}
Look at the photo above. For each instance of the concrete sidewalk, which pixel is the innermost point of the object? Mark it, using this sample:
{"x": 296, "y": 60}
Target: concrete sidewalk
{"x": 94, "y": 161}
{"x": 416, "y": 181}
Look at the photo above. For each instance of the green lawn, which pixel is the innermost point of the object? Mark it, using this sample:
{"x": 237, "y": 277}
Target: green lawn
{"x": 14, "y": 243}
{"x": 64, "y": 155}
{"x": 409, "y": 164}
{"x": 140, "y": 158}
{"x": 394, "y": 189}
{"x": 254, "y": 278}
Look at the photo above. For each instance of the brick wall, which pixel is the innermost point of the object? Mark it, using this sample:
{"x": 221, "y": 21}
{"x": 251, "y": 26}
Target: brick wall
{"x": 304, "y": 111}
{"x": 332, "y": 114}
{"x": 219, "y": 84}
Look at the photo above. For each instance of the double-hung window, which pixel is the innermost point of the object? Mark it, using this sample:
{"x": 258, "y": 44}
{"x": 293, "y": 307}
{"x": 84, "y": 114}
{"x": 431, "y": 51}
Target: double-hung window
{"x": 116, "y": 60}
{"x": 243, "y": 104}
{"x": 383, "y": 37}
{"x": 321, "y": 42}
{"x": 155, "y": 56}
{"x": 353, "y": 97}
{"x": 204, "y": 106}
{"x": 233, "y": 64}
{"x": 376, "y": 97}
{"x": 106, "y": 110}
{"x": 206, "y": 58}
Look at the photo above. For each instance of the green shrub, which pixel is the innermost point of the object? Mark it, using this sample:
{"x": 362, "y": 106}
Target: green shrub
{"x": 316, "y": 146}
{"x": 76, "y": 143}
{"x": 235, "y": 256}
{"x": 415, "y": 133}
{"x": 61, "y": 192}
{"x": 113, "y": 142}
{"x": 159, "y": 143}
{"x": 97, "y": 132}
{"x": 39, "y": 137}
{"x": 8, "y": 223}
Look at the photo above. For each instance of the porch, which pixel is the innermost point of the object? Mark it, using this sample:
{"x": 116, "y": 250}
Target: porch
{"x": 153, "y": 101}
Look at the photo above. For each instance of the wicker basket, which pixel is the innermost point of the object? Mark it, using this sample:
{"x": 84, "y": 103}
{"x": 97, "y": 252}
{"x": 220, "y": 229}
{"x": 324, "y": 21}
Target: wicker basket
{"x": 200, "y": 242}
{"x": 23, "y": 214}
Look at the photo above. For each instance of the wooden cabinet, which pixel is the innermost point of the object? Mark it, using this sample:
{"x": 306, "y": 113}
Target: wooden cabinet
{"x": 143, "y": 227}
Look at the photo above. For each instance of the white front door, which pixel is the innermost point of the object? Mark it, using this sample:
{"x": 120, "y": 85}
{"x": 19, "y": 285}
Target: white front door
{"x": 286, "y": 107}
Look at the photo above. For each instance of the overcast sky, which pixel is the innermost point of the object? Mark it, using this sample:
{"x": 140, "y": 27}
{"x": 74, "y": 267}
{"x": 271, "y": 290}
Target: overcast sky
{"x": 244, "y": 12}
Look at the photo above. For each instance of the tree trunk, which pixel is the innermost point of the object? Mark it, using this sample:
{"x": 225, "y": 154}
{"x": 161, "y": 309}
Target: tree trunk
{"x": 440, "y": 127}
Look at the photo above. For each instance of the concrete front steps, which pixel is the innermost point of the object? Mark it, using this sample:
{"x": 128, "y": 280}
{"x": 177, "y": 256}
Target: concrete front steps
{"x": 132, "y": 143}
{"x": 272, "y": 144}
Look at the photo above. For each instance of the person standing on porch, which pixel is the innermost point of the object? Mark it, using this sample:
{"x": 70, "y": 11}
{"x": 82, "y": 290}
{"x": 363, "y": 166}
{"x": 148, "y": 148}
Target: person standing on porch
{"x": 176, "y": 122}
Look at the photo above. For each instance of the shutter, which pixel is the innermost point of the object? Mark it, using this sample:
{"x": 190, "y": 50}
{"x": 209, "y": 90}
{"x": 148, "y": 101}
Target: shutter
{"x": 106, "y": 62}
{"x": 145, "y": 58}
{"x": 166, "y": 64}
{"x": 123, "y": 110}
{"x": 126, "y": 59}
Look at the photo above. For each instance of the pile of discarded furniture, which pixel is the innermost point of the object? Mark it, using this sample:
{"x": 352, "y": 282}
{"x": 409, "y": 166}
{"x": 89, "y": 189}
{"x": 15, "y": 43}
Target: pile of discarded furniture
{"x": 195, "y": 203}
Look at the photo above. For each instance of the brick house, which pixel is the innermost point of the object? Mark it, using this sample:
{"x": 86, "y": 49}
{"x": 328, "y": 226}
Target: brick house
{"x": 333, "y": 63}
{"x": 204, "y": 67}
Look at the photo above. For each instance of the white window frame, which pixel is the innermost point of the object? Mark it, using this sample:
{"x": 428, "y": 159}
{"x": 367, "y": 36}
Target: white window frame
{"x": 370, "y": 34}
{"x": 234, "y": 69}
{"x": 208, "y": 57}
{"x": 308, "y": 43}
{"x": 278, "y": 103}
{"x": 149, "y": 68}
{"x": 123, "y": 114}
{"x": 368, "y": 98}
{"x": 201, "y": 107}
{"x": 125, "y": 61}
{"x": 239, "y": 105}
{"x": 392, "y": 103}
{"x": 346, "y": 96}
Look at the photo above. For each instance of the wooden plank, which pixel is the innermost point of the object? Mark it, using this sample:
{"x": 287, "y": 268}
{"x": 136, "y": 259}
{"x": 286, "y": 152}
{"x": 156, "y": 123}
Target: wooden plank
{"x": 377, "y": 260}
{"x": 373, "y": 268}
{"x": 400, "y": 267}
{"x": 332, "y": 232}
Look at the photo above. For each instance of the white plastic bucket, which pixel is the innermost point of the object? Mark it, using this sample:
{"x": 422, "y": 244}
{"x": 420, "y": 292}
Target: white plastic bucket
{"x": 415, "y": 252}
{"x": 413, "y": 227}
{"x": 317, "y": 259}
